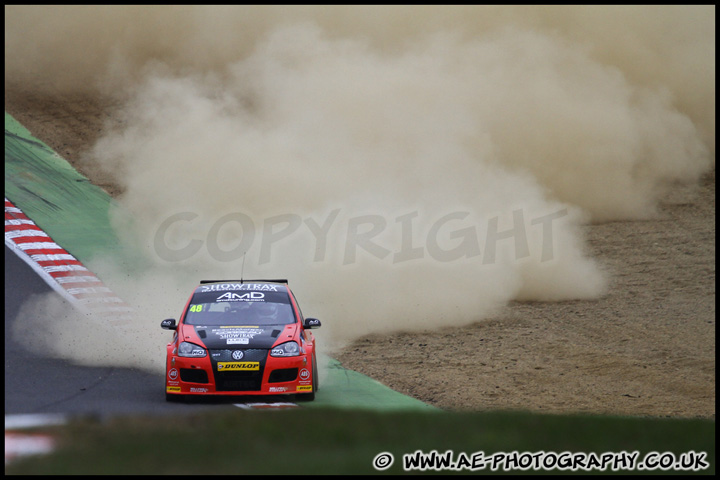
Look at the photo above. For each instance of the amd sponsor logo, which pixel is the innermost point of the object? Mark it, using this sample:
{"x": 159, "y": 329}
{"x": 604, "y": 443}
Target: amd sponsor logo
{"x": 245, "y": 297}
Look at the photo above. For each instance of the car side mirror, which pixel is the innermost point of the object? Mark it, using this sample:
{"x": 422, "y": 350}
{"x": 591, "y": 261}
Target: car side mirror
{"x": 169, "y": 324}
{"x": 311, "y": 323}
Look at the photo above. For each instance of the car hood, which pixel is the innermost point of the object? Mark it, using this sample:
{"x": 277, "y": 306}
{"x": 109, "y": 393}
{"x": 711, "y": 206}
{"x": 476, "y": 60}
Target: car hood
{"x": 233, "y": 336}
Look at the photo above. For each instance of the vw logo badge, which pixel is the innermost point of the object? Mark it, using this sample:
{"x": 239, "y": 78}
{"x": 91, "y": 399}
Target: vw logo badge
{"x": 237, "y": 355}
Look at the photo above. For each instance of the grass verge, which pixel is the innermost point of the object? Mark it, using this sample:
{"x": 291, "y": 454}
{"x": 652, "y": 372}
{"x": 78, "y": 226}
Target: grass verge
{"x": 336, "y": 441}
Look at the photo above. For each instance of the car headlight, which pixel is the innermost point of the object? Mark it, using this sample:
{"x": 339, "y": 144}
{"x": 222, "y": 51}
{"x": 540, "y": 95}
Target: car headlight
{"x": 287, "y": 349}
{"x": 187, "y": 349}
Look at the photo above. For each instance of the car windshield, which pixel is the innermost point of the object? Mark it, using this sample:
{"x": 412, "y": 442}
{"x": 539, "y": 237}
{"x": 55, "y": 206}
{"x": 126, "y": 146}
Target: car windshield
{"x": 239, "y": 307}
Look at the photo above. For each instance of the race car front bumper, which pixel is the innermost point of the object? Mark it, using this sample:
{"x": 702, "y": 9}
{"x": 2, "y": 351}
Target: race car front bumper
{"x": 258, "y": 374}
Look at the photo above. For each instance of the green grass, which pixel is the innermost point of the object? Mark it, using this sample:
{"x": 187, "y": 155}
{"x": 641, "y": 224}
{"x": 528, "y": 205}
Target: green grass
{"x": 335, "y": 441}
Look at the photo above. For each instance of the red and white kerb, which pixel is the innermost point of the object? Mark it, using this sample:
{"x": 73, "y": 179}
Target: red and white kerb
{"x": 62, "y": 271}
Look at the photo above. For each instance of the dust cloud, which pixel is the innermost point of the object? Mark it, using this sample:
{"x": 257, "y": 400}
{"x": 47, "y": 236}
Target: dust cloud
{"x": 404, "y": 167}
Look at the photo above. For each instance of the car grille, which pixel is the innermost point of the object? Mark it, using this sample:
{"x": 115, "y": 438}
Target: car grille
{"x": 237, "y": 381}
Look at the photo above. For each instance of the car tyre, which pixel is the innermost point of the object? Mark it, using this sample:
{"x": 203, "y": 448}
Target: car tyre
{"x": 174, "y": 398}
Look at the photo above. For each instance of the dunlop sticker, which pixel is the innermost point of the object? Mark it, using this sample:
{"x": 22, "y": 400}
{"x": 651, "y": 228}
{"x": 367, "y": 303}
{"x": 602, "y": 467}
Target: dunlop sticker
{"x": 245, "y": 366}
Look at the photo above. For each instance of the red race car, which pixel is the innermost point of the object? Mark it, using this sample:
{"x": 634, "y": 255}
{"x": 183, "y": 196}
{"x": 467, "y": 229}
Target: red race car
{"x": 241, "y": 337}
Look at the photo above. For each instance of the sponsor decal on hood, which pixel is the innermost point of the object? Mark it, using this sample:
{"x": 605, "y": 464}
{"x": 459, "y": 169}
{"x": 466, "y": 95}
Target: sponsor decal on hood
{"x": 240, "y": 336}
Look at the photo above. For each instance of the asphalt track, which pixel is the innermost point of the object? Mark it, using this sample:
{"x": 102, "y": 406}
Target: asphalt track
{"x": 75, "y": 214}
{"x": 42, "y": 385}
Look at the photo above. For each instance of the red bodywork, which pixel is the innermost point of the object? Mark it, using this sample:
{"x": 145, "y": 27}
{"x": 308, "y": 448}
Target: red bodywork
{"x": 197, "y": 376}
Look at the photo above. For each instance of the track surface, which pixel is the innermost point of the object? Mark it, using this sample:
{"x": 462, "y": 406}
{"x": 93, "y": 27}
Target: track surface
{"x": 43, "y": 385}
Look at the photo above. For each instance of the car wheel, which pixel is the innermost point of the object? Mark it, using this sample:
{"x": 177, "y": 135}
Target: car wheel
{"x": 316, "y": 378}
{"x": 169, "y": 397}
